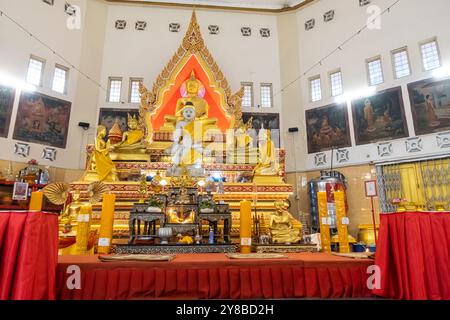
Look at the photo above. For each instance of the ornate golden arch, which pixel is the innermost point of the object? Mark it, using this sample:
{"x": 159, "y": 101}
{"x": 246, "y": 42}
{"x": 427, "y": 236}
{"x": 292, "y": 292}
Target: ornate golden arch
{"x": 192, "y": 44}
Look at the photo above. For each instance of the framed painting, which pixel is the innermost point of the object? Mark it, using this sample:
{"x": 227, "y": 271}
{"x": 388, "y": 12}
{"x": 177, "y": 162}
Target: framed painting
{"x": 108, "y": 116}
{"x": 43, "y": 119}
{"x": 430, "y": 105}
{"x": 7, "y": 95}
{"x": 269, "y": 121}
{"x": 380, "y": 117}
{"x": 327, "y": 127}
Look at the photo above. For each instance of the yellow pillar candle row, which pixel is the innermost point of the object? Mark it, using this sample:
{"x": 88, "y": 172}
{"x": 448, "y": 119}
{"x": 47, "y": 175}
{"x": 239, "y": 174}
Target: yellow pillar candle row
{"x": 106, "y": 223}
{"x": 342, "y": 221}
{"x": 246, "y": 226}
{"x": 83, "y": 228}
{"x": 325, "y": 238}
{"x": 36, "y": 201}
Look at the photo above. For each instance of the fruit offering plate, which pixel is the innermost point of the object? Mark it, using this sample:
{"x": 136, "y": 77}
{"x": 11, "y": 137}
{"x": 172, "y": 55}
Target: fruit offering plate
{"x": 256, "y": 256}
{"x": 137, "y": 257}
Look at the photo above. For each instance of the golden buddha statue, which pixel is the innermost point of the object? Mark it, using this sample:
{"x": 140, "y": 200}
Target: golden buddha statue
{"x": 267, "y": 161}
{"x": 192, "y": 98}
{"x": 179, "y": 218}
{"x": 132, "y": 139}
{"x": 67, "y": 220}
{"x": 132, "y": 146}
{"x": 101, "y": 167}
{"x": 281, "y": 227}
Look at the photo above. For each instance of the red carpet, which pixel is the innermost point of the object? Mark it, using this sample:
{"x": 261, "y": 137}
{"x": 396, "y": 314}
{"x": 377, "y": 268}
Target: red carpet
{"x": 214, "y": 276}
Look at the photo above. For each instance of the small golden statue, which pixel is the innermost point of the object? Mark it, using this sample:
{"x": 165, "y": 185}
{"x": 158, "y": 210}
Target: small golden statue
{"x": 101, "y": 167}
{"x": 179, "y": 218}
{"x": 267, "y": 169}
{"x": 143, "y": 189}
{"x": 281, "y": 227}
{"x": 132, "y": 138}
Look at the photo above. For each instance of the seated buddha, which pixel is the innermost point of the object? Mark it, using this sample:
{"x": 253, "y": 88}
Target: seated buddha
{"x": 267, "y": 161}
{"x": 132, "y": 139}
{"x": 192, "y": 98}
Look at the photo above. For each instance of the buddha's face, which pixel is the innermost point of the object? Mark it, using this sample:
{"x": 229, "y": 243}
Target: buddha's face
{"x": 189, "y": 113}
{"x": 192, "y": 87}
{"x": 132, "y": 123}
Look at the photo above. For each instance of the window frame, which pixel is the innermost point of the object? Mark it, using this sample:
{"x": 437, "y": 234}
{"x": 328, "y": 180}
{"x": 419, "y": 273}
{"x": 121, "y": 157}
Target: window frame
{"x": 393, "y": 53}
{"x": 269, "y": 85}
{"x": 370, "y": 60}
{"x": 41, "y": 78}
{"x": 332, "y": 72}
{"x": 66, "y": 80}
{"x": 424, "y": 42}
{"x": 108, "y": 93}
{"x": 310, "y": 80}
{"x": 252, "y": 97}
{"x": 130, "y": 87}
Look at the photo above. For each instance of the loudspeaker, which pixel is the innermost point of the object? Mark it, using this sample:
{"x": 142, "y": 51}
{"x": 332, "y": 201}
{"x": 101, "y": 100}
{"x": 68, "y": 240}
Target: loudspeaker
{"x": 84, "y": 125}
{"x": 292, "y": 130}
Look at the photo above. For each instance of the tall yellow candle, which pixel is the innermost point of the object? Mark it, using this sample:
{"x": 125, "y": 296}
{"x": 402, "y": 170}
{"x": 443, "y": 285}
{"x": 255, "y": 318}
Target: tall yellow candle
{"x": 36, "y": 201}
{"x": 342, "y": 221}
{"x": 246, "y": 226}
{"x": 106, "y": 223}
{"x": 325, "y": 238}
{"x": 83, "y": 228}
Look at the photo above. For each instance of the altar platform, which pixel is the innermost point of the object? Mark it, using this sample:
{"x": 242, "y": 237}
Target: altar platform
{"x": 215, "y": 276}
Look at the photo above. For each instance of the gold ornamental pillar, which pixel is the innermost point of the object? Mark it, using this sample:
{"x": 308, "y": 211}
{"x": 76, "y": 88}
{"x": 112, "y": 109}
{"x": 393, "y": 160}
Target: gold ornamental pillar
{"x": 325, "y": 238}
{"x": 342, "y": 221}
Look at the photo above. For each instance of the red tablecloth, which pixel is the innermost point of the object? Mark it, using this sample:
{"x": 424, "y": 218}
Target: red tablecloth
{"x": 28, "y": 255}
{"x": 413, "y": 252}
{"x": 214, "y": 276}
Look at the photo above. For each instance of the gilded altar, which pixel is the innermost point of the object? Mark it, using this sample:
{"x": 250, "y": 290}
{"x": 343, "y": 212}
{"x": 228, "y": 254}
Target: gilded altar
{"x": 190, "y": 122}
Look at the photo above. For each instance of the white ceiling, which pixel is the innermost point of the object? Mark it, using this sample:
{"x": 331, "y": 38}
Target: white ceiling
{"x": 254, "y": 4}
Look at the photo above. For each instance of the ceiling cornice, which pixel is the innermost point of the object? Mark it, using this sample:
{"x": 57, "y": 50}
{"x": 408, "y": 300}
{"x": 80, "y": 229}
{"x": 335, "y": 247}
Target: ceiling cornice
{"x": 211, "y": 7}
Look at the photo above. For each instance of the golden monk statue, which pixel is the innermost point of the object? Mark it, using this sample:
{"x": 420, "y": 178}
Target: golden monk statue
{"x": 267, "y": 162}
{"x": 133, "y": 138}
{"x": 101, "y": 167}
{"x": 192, "y": 98}
{"x": 281, "y": 227}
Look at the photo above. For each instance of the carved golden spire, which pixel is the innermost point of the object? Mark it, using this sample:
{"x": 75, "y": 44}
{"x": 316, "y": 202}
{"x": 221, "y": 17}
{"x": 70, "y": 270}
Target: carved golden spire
{"x": 192, "y": 43}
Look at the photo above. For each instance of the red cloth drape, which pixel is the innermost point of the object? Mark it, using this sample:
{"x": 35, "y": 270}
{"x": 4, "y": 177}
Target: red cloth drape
{"x": 28, "y": 255}
{"x": 213, "y": 276}
{"x": 413, "y": 253}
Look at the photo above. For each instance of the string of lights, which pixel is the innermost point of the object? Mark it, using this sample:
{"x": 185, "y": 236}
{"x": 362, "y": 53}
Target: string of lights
{"x": 339, "y": 48}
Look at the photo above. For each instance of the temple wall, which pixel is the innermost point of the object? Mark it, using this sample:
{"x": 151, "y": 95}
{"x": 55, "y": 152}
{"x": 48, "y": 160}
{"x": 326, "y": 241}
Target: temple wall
{"x": 407, "y": 24}
{"x": 82, "y": 47}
